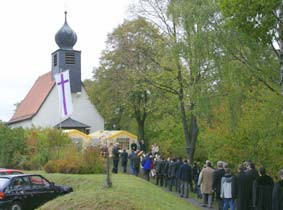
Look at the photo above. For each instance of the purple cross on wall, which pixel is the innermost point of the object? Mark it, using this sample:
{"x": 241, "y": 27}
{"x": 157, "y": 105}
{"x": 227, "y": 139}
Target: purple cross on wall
{"x": 62, "y": 83}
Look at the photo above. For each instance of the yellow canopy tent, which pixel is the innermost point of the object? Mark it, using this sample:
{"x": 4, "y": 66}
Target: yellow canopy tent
{"x": 78, "y": 138}
{"x": 108, "y": 138}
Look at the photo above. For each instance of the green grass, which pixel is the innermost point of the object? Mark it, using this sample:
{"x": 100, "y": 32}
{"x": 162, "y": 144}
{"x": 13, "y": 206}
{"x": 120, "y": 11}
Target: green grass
{"x": 128, "y": 193}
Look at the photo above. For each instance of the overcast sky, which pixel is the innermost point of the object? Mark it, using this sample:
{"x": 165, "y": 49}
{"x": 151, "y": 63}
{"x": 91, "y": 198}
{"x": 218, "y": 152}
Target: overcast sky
{"x": 27, "y": 36}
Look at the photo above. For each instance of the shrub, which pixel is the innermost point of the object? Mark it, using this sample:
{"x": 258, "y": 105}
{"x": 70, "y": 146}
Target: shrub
{"x": 51, "y": 166}
{"x": 63, "y": 166}
{"x": 77, "y": 162}
{"x": 44, "y": 145}
{"x": 27, "y": 165}
{"x": 71, "y": 167}
{"x": 93, "y": 162}
{"x": 13, "y": 146}
{"x": 30, "y": 165}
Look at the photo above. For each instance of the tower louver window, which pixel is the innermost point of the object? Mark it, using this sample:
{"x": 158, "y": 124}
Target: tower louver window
{"x": 69, "y": 58}
{"x": 55, "y": 60}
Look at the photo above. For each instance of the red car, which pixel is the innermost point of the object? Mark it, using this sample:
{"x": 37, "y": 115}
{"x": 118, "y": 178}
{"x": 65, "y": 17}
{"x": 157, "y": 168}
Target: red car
{"x": 4, "y": 171}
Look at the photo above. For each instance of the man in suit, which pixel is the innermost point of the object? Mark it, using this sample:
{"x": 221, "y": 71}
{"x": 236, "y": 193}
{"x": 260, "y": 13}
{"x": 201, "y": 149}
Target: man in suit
{"x": 185, "y": 177}
{"x": 217, "y": 176}
{"x": 124, "y": 160}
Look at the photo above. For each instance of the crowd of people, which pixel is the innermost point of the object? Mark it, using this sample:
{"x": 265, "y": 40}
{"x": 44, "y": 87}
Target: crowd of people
{"x": 247, "y": 189}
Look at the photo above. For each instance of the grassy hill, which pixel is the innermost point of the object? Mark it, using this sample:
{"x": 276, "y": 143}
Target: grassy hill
{"x": 128, "y": 193}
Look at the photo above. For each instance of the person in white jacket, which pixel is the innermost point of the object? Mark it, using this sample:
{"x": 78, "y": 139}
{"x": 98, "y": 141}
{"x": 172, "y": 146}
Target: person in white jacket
{"x": 228, "y": 190}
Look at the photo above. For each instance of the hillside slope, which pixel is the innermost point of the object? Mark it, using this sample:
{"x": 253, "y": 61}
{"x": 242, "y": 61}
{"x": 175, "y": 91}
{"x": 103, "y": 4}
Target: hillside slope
{"x": 128, "y": 193}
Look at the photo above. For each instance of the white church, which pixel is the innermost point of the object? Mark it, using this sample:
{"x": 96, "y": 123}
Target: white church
{"x": 40, "y": 107}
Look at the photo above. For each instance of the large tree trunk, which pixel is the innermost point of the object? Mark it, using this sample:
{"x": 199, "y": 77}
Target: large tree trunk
{"x": 193, "y": 133}
{"x": 185, "y": 128}
{"x": 280, "y": 57}
{"x": 281, "y": 68}
{"x": 280, "y": 44}
{"x": 140, "y": 130}
{"x": 190, "y": 130}
{"x": 141, "y": 114}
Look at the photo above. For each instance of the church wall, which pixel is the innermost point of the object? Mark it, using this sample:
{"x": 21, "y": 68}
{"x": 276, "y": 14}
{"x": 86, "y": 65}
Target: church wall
{"x": 85, "y": 112}
{"x": 23, "y": 124}
{"x": 48, "y": 114}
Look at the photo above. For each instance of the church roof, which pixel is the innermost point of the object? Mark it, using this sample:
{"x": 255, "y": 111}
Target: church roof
{"x": 34, "y": 99}
{"x": 71, "y": 123}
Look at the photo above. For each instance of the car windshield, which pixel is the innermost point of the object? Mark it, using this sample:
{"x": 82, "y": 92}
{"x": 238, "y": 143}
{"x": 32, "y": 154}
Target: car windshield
{"x": 3, "y": 182}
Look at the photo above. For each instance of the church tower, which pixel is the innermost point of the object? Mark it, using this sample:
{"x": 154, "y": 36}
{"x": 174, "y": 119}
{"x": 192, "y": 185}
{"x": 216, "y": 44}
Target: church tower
{"x": 65, "y": 58}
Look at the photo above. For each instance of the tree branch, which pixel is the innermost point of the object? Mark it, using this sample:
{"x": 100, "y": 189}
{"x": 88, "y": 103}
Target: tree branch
{"x": 162, "y": 87}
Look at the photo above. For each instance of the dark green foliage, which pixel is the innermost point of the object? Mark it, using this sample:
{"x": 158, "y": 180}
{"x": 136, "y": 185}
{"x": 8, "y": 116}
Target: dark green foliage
{"x": 12, "y": 146}
{"x": 219, "y": 66}
{"x": 256, "y": 18}
{"x": 126, "y": 100}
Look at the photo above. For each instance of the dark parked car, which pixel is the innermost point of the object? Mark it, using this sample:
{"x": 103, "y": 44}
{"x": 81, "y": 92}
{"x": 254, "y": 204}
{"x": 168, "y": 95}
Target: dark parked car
{"x": 27, "y": 191}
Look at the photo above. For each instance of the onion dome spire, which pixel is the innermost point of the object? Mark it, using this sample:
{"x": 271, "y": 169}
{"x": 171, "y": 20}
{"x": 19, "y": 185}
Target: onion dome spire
{"x": 66, "y": 38}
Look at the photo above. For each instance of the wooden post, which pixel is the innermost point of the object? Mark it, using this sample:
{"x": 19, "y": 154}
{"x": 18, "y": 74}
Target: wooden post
{"x": 108, "y": 175}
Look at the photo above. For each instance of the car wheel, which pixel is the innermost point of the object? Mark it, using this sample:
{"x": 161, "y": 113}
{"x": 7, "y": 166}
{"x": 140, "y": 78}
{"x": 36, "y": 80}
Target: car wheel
{"x": 16, "y": 206}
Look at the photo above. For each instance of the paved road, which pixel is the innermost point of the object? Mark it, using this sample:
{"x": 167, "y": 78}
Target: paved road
{"x": 193, "y": 201}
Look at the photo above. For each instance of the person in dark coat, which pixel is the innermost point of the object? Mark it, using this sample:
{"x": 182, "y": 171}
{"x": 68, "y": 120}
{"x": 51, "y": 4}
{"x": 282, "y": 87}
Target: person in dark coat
{"x": 241, "y": 189}
{"x": 252, "y": 175}
{"x": 262, "y": 191}
{"x": 131, "y": 158}
{"x": 142, "y": 145}
{"x": 160, "y": 166}
{"x": 172, "y": 173}
{"x": 196, "y": 172}
{"x": 134, "y": 147}
{"x": 185, "y": 177}
{"x": 124, "y": 160}
{"x": 166, "y": 169}
{"x": 277, "y": 195}
{"x": 137, "y": 162}
{"x": 115, "y": 153}
{"x": 217, "y": 176}
{"x": 179, "y": 163}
